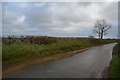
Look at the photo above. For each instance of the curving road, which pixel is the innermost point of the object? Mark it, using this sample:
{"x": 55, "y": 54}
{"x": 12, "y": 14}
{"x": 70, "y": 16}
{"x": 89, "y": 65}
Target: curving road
{"x": 87, "y": 64}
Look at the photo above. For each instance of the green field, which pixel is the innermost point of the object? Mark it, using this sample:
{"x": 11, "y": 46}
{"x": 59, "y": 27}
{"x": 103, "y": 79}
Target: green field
{"x": 115, "y": 66}
{"x": 22, "y": 49}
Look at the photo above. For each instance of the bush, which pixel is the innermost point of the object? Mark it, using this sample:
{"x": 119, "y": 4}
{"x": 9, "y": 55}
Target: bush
{"x": 29, "y": 39}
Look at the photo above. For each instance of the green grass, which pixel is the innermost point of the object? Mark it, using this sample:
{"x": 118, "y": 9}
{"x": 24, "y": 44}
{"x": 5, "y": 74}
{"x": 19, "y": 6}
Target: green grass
{"x": 19, "y": 52}
{"x": 115, "y": 66}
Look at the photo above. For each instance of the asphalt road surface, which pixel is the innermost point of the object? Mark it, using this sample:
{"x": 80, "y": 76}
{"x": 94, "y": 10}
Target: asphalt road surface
{"x": 87, "y": 64}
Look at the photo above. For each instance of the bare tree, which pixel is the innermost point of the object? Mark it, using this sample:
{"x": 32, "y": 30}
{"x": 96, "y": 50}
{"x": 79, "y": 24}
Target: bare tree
{"x": 101, "y": 27}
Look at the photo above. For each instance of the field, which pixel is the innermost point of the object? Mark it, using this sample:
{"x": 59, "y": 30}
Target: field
{"x": 115, "y": 66}
{"x": 25, "y": 48}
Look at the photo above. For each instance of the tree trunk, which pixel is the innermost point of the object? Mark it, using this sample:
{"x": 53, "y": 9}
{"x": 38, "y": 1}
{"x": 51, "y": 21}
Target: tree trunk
{"x": 101, "y": 37}
{"x": 101, "y": 34}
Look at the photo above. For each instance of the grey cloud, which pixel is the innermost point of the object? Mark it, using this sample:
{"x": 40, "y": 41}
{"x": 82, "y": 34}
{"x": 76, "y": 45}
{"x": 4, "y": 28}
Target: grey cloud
{"x": 58, "y": 19}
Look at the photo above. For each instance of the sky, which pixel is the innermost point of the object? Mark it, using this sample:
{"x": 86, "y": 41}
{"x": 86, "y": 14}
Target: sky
{"x": 60, "y": 19}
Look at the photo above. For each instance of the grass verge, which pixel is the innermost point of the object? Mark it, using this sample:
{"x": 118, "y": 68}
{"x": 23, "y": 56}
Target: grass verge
{"x": 115, "y": 66}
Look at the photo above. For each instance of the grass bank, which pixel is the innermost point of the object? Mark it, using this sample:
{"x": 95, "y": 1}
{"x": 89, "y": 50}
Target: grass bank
{"x": 115, "y": 66}
{"x": 18, "y": 50}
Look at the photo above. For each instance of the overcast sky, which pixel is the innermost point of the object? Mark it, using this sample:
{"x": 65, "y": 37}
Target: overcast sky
{"x": 63, "y": 19}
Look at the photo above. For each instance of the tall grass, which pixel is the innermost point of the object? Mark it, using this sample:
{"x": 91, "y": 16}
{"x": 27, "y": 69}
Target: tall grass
{"x": 38, "y": 47}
